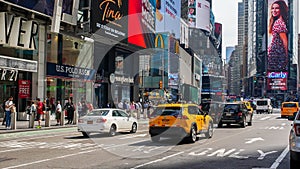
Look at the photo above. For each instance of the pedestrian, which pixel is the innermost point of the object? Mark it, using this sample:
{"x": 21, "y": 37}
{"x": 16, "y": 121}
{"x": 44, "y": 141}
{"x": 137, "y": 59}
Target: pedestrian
{"x": 58, "y": 113}
{"x": 120, "y": 105}
{"x": 9, "y": 105}
{"x": 79, "y": 109}
{"x": 40, "y": 112}
{"x": 33, "y": 108}
{"x": 3, "y": 106}
{"x": 84, "y": 109}
{"x": 70, "y": 108}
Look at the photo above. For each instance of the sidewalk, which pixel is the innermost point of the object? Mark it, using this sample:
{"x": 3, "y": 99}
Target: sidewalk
{"x": 22, "y": 126}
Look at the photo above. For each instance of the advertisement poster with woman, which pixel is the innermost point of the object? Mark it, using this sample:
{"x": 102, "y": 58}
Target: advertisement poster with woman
{"x": 278, "y": 35}
{"x": 277, "y": 58}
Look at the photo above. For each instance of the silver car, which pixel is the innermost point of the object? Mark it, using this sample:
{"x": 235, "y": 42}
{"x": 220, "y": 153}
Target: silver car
{"x": 107, "y": 120}
{"x": 294, "y": 141}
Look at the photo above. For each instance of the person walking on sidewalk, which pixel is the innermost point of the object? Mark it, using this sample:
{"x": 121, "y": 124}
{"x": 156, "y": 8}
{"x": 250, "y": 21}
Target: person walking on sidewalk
{"x": 58, "y": 113}
{"x": 39, "y": 112}
{"x": 8, "y": 106}
{"x": 3, "y": 106}
{"x": 70, "y": 108}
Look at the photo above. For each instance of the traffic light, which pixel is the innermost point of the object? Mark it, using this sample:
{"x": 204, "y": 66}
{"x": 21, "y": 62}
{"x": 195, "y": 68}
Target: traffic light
{"x": 160, "y": 84}
{"x": 254, "y": 79}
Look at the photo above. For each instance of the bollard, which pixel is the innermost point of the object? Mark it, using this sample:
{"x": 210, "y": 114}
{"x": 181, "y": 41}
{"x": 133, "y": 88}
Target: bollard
{"x": 31, "y": 120}
{"x": 138, "y": 113}
{"x": 47, "y": 119}
{"x": 75, "y": 117}
{"x": 13, "y": 123}
{"x": 62, "y": 118}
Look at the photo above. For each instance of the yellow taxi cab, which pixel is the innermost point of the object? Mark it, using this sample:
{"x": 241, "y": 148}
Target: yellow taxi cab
{"x": 179, "y": 120}
{"x": 289, "y": 108}
{"x": 248, "y": 105}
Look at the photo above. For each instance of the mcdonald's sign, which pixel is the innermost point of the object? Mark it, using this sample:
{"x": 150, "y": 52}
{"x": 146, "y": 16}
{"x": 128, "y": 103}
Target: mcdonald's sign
{"x": 159, "y": 41}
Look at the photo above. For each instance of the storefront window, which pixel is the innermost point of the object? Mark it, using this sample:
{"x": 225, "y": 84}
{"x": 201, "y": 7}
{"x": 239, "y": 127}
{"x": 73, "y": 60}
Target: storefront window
{"x": 70, "y": 70}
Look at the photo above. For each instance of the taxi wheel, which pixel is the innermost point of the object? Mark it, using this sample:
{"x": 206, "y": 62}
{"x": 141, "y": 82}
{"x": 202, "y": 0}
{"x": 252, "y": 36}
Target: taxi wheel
{"x": 155, "y": 138}
{"x": 85, "y": 134}
{"x": 210, "y": 131}
{"x": 133, "y": 128}
{"x": 112, "y": 131}
{"x": 193, "y": 135}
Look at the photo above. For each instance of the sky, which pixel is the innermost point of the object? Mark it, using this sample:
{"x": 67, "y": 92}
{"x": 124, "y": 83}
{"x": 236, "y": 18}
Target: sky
{"x": 225, "y": 12}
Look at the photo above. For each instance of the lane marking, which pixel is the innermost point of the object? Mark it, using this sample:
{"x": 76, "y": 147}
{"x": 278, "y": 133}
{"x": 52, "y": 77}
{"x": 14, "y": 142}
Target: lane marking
{"x": 49, "y": 159}
{"x": 158, "y": 160}
{"x": 265, "y": 118}
{"x": 280, "y": 158}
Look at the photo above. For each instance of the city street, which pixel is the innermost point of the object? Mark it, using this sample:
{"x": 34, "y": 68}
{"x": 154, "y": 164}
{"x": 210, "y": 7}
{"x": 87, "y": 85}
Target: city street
{"x": 262, "y": 145}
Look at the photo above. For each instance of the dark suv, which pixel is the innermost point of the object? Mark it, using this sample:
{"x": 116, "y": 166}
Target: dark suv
{"x": 236, "y": 113}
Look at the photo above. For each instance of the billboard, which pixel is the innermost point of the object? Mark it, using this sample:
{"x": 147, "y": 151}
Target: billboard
{"x": 109, "y": 18}
{"x": 44, "y": 6}
{"x": 218, "y": 35}
{"x": 168, "y": 14}
{"x": 277, "y": 56}
{"x": 199, "y": 14}
{"x": 141, "y": 21}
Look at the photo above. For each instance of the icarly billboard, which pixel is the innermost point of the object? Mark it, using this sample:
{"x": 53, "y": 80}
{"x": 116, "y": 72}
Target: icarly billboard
{"x": 277, "y": 54}
{"x": 141, "y": 22}
{"x": 277, "y": 80}
{"x": 277, "y": 35}
{"x": 109, "y": 18}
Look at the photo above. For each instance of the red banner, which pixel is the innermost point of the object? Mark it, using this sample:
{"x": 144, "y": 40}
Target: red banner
{"x": 24, "y": 89}
{"x": 277, "y": 84}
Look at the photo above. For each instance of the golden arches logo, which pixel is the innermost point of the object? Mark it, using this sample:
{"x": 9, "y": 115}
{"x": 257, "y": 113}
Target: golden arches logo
{"x": 161, "y": 40}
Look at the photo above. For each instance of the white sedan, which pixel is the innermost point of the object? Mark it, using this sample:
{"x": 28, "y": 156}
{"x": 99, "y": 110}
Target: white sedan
{"x": 294, "y": 141}
{"x": 107, "y": 120}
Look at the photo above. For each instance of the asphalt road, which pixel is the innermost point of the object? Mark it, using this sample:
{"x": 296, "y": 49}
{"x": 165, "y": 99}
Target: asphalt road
{"x": 262, "y": 145}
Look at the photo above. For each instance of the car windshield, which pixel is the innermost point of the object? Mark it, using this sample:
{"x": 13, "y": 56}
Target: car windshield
{"x": 167, "y": 111}
{"x": 261, "y": 103}
{"x": 289, "y": 105}
{"x": 229, "y": 107}
{"x": 98, "y": 113}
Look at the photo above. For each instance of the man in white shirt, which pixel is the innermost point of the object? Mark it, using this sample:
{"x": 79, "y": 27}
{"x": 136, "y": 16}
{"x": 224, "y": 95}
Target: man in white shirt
{"x": 8, "y": 106}
{"x": 58, "y": 113}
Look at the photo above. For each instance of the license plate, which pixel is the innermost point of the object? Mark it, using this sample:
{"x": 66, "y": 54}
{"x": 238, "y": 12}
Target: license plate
{"x": 165, "y": 121}
{"x": 89, "y": 122}
{"x": 228, "y": 114}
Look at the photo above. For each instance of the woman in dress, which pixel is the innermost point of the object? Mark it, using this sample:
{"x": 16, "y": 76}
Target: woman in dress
{"x": 278, "y": 48}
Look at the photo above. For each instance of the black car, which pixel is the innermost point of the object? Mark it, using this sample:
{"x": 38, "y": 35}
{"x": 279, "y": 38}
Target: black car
{"x": 235, "y": 113}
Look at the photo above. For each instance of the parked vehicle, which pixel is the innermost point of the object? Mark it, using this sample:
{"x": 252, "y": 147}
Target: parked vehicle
{"x": 179, "y": 121}
{"x": 294, "y": 141}
{"x": 289, "y": 108}
{"x": 107, "y": 120}
{"x": 236, "y": 113}
{"x": 264, "y": 106}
